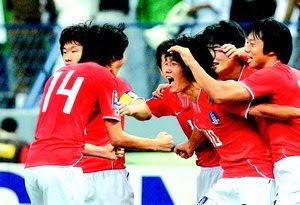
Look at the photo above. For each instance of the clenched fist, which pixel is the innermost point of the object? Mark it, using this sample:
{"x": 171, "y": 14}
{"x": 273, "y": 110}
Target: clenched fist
{"x": 165, "y": 141}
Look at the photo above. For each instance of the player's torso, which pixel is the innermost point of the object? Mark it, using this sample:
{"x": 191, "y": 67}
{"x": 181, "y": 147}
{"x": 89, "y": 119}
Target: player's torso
{"x": 236, "y": 141}
{"x": 69, "y": 103}
{"x": 96, "y": 134}
{"x": 181, "y": 108}
{"x": 284, "y": 135}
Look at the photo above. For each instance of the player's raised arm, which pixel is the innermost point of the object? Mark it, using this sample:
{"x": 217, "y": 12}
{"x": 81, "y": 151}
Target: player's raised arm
{"x": 220, "y": 91}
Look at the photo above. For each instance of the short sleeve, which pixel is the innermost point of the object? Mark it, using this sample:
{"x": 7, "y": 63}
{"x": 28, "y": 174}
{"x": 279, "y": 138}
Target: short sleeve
{"x": 159, "y": 107}
{"x": 123, "y": 86}
{"x": 263, "y": 82}
{"x": 108, "y": 96}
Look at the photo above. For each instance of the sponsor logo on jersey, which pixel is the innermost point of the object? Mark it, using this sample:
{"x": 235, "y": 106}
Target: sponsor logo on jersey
{"x": 177, "y": 113}
{"x": 214, "y": 117}
{"x": 115, "y": 103}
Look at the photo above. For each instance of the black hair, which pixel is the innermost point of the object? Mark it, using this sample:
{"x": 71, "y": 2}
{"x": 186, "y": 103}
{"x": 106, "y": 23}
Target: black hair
{"x": 198, "y": 49}
{"x": 202, "y": 55}
{"x": 163, "y": 49}
{"x": 75, "y": 33}
{"x": 9, "y": 124}
{"x": 276, "y": 36}
{"x": 105, "y": 44}
{"x": 225, "y": 32}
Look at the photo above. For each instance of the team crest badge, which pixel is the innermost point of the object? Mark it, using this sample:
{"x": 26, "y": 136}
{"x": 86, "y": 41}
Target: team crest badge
{"x": 115, "y": 103}
{"x": 214, "y": 117}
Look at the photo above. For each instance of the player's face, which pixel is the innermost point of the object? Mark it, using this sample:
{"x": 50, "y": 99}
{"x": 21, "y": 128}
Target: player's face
{"x": 72, "y": 52}
{"x": 223, "y": 65}
{"x": 254, "y": 50}
{"x": 172, "y": 71}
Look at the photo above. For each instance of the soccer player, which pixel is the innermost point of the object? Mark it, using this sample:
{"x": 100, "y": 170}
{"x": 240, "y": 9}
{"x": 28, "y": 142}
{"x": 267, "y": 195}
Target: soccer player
{"x": 73, "y": 96}
{"x": 244, "y": 157}
{"x": 269, "y": 48}
{"x": 102, "y": 175}
{"x": 172, "y": 104}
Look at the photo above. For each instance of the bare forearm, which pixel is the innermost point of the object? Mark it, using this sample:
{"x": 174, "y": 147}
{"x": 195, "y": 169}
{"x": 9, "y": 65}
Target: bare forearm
{"x": 119, "y": 138}
{"x": 274, "y": 111}
{"x": 140, "y": 111}
{"x": 219, "y": 91}
{"x": 133, "y": 142}
{"x": 93, "y": 150}
{"x": 196, "y": 139}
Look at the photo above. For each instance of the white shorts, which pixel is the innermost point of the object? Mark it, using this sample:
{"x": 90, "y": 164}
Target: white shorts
{"x": 108, "y": 187}
{"x": 287, "y": 179}
{"x": 206, "y": 179}
{"x": 48, "y": 185}
{"x": 239, "y": 191}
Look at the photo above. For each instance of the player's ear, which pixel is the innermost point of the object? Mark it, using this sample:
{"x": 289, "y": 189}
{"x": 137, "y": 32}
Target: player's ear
{"x": 271, "y": 54}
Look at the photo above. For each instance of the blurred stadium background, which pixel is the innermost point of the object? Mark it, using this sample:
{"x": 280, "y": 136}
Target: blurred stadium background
{"x": 29, "y": 53}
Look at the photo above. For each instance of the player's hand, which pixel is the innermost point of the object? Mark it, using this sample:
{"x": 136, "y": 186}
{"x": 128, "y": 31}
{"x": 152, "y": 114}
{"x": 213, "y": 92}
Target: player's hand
{"x": 109, "y": 152}
{"x": 232, "y": 52}
{"x": 185, "y": 54}
{"x": 120, "y": 152}
{"x": 124, "y": 109}
{"x": 159, "y": 90}
{"x": 165, "y": 141}
{"x": 183, "y": 150}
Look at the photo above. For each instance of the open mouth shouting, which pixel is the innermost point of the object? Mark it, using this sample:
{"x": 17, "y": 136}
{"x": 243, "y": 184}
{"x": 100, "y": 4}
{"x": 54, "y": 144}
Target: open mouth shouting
{"x": 170, "y": 79}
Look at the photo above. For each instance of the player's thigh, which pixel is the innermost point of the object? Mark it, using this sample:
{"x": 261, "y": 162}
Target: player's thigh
{"x": 60, "y": 185}
{"x": 224, "y": 192}
{"x": 256, "y": 190}
{"x": 69, "y": 187}
{"x": 113, "y": 187}
{"x": 287, "y": 177}
{"x": 31, "y": 184}
{"x": 207, "y": 178}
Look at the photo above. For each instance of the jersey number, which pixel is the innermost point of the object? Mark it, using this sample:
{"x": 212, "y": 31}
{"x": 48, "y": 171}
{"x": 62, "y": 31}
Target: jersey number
{"x": 213, "y": 138}
{"x": 71, "y": 93}
{"x": 191, "y": 124}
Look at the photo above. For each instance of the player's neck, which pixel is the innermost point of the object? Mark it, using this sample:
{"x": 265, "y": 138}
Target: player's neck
{"x": 269, "y": 62}
{"x": 191, "y": 91}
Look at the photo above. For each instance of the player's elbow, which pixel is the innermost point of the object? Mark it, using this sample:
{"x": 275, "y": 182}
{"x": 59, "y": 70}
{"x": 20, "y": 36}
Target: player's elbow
{"x": 144, "y": 114}
{"x": 219, "y": 98}
{"x": 116, "y": 141}
{"x": 145, "y": 117}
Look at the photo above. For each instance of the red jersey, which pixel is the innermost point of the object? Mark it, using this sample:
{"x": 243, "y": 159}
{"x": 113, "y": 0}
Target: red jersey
{"x": 242, "y": 151}
{"x": 280, "y": 84}
{"x": 173, "y": 105}
{"x": 73, "y": 96}
{"x": 297, "y": 72}
{"x": 97, "y": 135}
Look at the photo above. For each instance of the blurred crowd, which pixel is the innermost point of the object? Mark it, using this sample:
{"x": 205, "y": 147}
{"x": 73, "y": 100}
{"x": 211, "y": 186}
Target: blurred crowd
{"x": 30, "y": 32}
